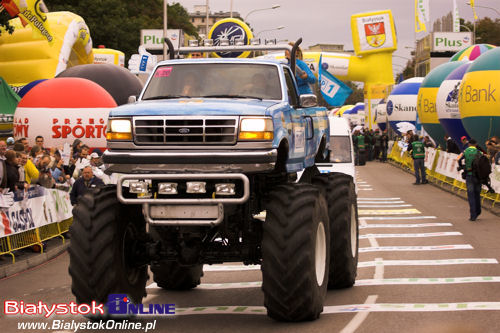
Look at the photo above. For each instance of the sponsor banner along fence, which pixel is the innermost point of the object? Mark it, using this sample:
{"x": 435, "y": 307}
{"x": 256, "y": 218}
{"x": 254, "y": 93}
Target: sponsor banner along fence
{"x": 443, "y": 166}
{"x": 33, "y": 209}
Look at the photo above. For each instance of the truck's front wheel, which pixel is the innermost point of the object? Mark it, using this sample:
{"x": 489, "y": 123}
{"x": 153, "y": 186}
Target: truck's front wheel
{"x": 106, "y": 242}
{"x": 295, "y": 253}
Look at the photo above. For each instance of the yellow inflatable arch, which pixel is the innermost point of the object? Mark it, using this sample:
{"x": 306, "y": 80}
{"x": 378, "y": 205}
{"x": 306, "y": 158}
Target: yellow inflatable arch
{"x": 26, "y": 56}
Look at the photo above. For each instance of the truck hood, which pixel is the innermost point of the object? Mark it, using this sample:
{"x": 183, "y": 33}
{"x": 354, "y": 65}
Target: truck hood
{"x": 195, "y": 106}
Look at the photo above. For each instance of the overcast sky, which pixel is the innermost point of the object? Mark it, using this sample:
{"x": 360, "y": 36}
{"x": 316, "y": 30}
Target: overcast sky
{"x": 328, "y": 21}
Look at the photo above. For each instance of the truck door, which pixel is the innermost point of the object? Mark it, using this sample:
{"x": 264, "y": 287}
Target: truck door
{"x": 297, "y": 126}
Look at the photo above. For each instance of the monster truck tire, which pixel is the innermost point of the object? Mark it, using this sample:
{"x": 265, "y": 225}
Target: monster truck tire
{"x": 104, "y": 236}
{"x": 295, "y": 253}
{"x": 338, "y": 189}
{"x": 172, "y": 276}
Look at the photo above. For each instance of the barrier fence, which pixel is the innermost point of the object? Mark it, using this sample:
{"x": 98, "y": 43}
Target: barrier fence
{"x": 32, "y": 217}
{"x": 441, "y": 168}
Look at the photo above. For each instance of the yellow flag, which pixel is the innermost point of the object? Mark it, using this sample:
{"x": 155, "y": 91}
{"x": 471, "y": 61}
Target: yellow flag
{"x": 29, "y": 11}
{"x": 421, "y": 14}
{"x": 473, "y": 9}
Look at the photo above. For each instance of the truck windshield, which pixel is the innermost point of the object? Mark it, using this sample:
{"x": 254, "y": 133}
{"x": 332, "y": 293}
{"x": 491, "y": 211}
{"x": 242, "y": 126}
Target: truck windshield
{"x": 340, "y": 149}
{"x": 231, "y": 80}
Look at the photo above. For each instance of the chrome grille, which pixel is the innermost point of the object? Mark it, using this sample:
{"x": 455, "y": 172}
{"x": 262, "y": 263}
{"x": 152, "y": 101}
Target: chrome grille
{"x": 188, "y": 130}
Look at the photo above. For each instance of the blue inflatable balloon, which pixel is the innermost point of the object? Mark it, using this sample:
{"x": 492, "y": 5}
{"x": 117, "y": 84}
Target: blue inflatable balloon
{"x": 402, "y": 103}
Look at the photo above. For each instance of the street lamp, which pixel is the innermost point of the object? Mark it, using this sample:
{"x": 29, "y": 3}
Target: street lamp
{"x": 256, "y": 10}
{"x": 277, "y": 28}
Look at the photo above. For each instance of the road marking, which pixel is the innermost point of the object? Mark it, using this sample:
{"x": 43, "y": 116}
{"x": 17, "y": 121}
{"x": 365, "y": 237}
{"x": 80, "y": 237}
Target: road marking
{"x": 413, "y": 281}
{"x": 380, "y": 202}
{"x": 409, "y": 307}
{"x": 401, "y": 225}
{"x": 398, "y": 217}
{"x": 379, "y": 269}
{"x": 388, "y": 211}
{"x": 384, "y": 206}
{"x": 365, "y": 189}
{"x": 224, "y": 268}
{"x": 378, "y": 199}
{"x": 358, "y": 319}
{"x": 363, "y": 185}
{"x": 377, "y": 280}
{"x": 348, "y": 308}
{"x": 416, "y": 248}
{"x": 429, "y": 234}
{"x": 428, "y": 262}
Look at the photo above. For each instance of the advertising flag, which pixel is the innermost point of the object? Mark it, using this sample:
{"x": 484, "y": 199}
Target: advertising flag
{"x": 472, "y": 5}
{"x": 421, "y": 15}
{"x": 456, "y": 17}
{"x": 334, "y": 91}
{"x": 29, "y": 12}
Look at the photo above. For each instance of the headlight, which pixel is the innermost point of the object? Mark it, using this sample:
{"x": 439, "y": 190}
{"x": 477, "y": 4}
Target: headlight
{"x": 256, "y": 129}
{"x": 119, "y": 129}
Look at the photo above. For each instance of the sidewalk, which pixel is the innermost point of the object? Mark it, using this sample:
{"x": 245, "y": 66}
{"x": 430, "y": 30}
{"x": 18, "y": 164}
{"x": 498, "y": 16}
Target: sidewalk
{"x": 26, "y": 258}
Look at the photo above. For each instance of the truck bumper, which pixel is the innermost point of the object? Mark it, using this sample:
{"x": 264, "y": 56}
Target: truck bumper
{"x": 205, "y": 161}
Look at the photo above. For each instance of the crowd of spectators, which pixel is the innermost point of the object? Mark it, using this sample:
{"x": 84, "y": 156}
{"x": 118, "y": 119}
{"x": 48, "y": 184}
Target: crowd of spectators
{"x": 22, "y": 166}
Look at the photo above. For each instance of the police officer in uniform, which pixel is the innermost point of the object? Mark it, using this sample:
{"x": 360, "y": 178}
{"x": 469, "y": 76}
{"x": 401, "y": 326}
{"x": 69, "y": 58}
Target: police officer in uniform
{"x": 471, "y": 181}
{"x": 417, "y": 150}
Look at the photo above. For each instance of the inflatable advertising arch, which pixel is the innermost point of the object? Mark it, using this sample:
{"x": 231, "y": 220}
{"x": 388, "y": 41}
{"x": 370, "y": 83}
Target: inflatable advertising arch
{"x": 26, "y": 56}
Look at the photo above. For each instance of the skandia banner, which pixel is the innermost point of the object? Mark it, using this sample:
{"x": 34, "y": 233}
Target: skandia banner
{"x": 334, "y": 91}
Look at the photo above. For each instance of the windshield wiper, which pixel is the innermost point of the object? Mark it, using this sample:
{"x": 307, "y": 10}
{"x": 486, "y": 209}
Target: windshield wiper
{"x": 166, "y": 97}
{"x": 232, "y": 96}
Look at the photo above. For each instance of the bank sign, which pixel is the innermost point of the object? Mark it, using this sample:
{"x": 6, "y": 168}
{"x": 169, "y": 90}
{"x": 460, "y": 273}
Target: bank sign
{"x": 451, "y": 41}
{"x": 152, "y": 39}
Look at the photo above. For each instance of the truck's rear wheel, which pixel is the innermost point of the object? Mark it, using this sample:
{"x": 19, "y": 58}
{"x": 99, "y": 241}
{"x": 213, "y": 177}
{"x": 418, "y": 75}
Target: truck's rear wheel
{"x": 338, "y": 189}
{"x": 106, "y": 242}
{"x": 295, "y": 253}
{"x": 172, "y": 276}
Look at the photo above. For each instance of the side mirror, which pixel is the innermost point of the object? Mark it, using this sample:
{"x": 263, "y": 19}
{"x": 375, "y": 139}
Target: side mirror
{"x": 308, "y": 100}
{"x": 132, "y": 99}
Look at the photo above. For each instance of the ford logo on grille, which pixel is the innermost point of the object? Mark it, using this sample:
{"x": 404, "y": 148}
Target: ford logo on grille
{"x": 184, "y": 130}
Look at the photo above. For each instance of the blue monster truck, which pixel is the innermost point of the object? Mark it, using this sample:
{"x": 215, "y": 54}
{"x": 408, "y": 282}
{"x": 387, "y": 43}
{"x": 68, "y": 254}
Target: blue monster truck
{"x": 209, "y": 145}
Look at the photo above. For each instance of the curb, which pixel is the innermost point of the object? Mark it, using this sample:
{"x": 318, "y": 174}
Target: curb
{"x": 449, "y": 189}
{"x": 33, "y": 261}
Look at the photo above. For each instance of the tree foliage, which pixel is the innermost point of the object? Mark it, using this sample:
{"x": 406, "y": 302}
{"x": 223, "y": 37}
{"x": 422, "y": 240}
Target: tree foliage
{"x": 117, "y": 24}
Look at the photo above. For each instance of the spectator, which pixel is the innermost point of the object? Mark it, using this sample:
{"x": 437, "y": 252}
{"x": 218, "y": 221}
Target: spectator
{"x": 36, "y": 153}
{"x": 3, "y": 167}
{"x": 417, "y": 150}
{"x": 39, "y": 142}
{"x": 471, "y": 181}
{"x": 451, "y": 146}
{"x": 465, "y": 142}
{"x": 76, "y": 147}
{"x": 11, "y": 163}
{"x": 82, "y": 161}
{"x": 384, "y": 145}
{"x": 25, "y": 143}
{"x": 10, "y": 143}
{"x": 31, "y": 173}
{"x": 492, "y": 148}
{"x": 428, "y": 142}
{"x": 3, "y": 149}
{"x": 45, "y": 178}
{"x": 57, "y": 169}
{"x": 86, "y": 181}
{"x": 303, "y": 74}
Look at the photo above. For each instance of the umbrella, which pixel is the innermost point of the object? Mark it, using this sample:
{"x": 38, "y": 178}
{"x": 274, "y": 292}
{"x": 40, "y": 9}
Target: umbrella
{"x": 357, "y": 128}
{"x": 405, "y": 126}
